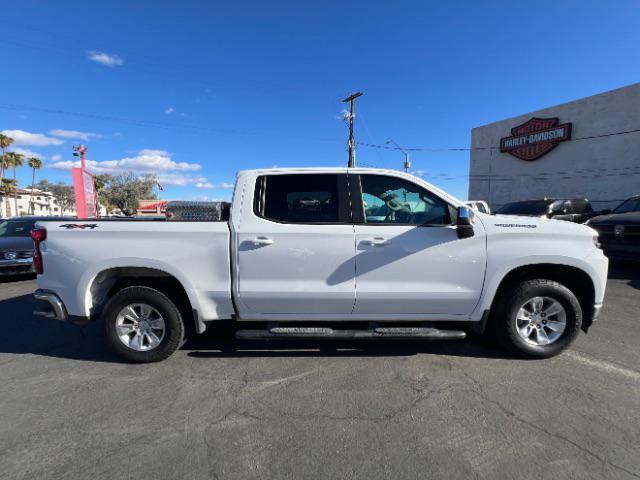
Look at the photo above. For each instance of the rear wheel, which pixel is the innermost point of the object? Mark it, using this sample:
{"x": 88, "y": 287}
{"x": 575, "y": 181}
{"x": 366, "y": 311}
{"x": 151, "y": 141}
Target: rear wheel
{"x": 142, "y": 325}
{"x": 537, "y": 318}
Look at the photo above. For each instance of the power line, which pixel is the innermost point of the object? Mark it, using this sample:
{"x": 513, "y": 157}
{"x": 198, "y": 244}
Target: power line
{"x": 161, "y": 125}
{"x": 468, "y": 149}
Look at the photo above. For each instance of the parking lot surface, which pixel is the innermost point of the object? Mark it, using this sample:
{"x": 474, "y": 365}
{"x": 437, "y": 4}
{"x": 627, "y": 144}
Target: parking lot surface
{"x": 226, "y": 409}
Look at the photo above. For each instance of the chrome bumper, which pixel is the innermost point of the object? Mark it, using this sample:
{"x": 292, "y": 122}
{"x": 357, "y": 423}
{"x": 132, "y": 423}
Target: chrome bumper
{"x": 16, "y": 262}
{"x": 57, "y": 312}
{"x": 597, "y": 308}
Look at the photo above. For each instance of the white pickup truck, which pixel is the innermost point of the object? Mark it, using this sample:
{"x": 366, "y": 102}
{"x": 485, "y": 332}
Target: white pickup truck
{"x": 325, "y": 253}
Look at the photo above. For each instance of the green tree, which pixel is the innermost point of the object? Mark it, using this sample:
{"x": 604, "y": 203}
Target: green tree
{"x": 35, "y": 164}
{"x": 43, "y": 185}
{"x": 64, "y": 195}
{"x": 101, "y": 182}
{"x": 7, "y": 186}
{"x": 5, "y": 142}
{"x": 126, "y": 190}
{"x": 14, "y": 160}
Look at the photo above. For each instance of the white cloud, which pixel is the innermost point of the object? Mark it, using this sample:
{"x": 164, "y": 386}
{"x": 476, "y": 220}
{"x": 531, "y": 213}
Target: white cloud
{"x": 181, "y": 180}
{"x": 107, "y": 59}
{"x": 56, "y": 158}
{"x": 28, "y": 139}
{"x": 169, "y": 110}
{"x": 75, "y": 134}
{"x": 28, "y": 153}
{"x": 207, "y": 198}
{"x": 146, "y": 161}
{"x": 209, "y": 185}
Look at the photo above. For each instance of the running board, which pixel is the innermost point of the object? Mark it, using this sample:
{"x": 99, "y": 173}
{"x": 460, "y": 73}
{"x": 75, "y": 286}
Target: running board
{"x": 406, "y": 333}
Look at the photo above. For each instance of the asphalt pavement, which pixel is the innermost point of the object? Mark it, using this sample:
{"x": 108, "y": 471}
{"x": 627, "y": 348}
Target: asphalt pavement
{"x": 227, "y": 409}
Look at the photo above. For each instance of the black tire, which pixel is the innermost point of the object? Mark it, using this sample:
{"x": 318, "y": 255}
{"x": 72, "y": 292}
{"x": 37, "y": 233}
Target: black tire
{"x": 174, "y": 334}
{"x": 507, "y": 305}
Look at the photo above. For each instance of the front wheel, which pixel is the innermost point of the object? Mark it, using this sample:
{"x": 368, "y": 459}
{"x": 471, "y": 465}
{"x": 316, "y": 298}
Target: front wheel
{"x": 142, "y": 325}
{"x": 537, "y": 318}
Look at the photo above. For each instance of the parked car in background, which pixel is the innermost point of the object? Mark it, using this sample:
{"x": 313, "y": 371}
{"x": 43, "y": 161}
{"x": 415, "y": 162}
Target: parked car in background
{"x": 577, "y": 210}
{"x": 479, "y": 206}
{"x": 619, "y": 230}
{"x": 16, "y": 246}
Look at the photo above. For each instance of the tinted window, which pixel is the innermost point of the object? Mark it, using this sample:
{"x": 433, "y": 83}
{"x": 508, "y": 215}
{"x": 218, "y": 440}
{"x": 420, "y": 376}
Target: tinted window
{"x": 16, "y": 228}
{"x": 299, "y": 198}
{"x": 631, "y": 205}
{"x": 581, "y": 206}
{"x": 391, "y": 200}
{"x": 525, "y": 208}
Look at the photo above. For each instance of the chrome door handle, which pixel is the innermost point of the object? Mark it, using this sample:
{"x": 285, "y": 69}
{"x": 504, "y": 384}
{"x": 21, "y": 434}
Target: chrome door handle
{"x": 377, "y": 242}
{"x": 263, "y": 241}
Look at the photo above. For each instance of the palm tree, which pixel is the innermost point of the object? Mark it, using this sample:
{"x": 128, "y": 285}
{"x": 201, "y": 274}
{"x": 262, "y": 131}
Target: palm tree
{"x": 5, "y": 142}
{"x": 35, "y": 164}
{"x": 14, "y": 160}
{"x": 6, "y": 187}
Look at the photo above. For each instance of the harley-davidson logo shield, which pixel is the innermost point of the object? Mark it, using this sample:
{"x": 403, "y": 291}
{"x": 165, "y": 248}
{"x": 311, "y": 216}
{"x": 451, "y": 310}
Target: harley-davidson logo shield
{"x": 535, "y": 137}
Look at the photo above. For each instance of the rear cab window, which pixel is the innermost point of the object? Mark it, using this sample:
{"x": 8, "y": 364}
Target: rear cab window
{"x": 303, "y": 198}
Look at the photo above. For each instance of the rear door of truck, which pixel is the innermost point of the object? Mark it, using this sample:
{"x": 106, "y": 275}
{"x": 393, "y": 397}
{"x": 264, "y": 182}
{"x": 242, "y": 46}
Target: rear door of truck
{"x": 295, "y": 247}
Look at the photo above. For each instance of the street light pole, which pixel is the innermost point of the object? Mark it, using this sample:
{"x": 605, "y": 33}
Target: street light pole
{"x": 407, "y": 162}
{"x": 352, "y": 143}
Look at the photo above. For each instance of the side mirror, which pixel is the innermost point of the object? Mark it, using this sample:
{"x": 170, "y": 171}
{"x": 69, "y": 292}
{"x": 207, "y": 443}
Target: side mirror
{"x": 464, "y": 222}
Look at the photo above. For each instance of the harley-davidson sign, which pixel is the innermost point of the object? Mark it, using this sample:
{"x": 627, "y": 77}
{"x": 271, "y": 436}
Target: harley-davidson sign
{"x": 535, "y": 137}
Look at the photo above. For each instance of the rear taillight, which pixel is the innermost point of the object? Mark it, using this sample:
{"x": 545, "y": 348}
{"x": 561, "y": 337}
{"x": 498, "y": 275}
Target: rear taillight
{"x": 38, "y": 235}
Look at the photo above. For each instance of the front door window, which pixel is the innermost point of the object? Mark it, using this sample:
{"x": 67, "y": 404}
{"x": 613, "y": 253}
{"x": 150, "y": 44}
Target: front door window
{"x": 395, "y": 201}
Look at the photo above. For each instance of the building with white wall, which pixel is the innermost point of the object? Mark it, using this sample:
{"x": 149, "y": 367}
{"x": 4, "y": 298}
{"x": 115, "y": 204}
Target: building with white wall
{"x": 588, "y": 148}
{"x": 44, "y": 204}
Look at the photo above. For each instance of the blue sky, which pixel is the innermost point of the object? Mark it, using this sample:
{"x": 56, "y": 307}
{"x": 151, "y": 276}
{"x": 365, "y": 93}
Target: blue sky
{"x": 193, "y": 91}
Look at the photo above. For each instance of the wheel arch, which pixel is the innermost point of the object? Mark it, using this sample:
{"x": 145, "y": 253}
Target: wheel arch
{"x": 112, "y": 279}
{"x": 572, "y": 277}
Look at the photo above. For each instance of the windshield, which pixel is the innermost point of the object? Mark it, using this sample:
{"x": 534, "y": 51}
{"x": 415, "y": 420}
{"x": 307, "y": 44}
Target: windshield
{"x": 631, "y": 205}
{"x": 16, "y": 228}
{"x": 524, "y": 208}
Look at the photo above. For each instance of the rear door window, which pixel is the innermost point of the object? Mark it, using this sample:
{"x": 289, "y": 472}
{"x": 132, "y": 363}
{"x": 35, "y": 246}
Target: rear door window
{"x": 302, "y": 198}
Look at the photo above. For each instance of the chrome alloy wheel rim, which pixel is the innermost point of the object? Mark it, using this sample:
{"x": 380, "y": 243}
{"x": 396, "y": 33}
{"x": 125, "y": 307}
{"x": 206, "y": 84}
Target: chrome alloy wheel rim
{"x": 541, "y": 321}
{"x": 140, "y": 327}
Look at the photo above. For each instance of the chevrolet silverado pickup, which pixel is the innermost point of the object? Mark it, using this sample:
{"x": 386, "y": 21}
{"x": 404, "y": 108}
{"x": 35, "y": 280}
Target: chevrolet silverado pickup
{"x": 325, "y": 253}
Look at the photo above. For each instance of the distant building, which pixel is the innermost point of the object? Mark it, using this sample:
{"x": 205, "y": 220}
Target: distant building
{"x": 44, "y": 203}
{"x": 574, "y": 150}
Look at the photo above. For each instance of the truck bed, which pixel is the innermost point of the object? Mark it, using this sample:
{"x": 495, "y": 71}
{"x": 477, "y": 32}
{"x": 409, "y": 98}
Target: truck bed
{"x": 195, "y": 253}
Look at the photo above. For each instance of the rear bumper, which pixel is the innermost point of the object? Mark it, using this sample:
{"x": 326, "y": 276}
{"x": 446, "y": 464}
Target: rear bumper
{"x": 56, "y": 309}
{"x": 51, "y": 306}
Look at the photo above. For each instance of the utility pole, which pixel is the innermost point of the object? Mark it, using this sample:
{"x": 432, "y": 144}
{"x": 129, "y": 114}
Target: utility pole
{"x": 407, "y": 162}
{"x": 352, "y": 142}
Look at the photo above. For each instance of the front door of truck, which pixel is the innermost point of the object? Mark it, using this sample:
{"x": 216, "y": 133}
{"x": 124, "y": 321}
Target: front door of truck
{"x": 409, "y": 259}
{"x": 298, "y": 235}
